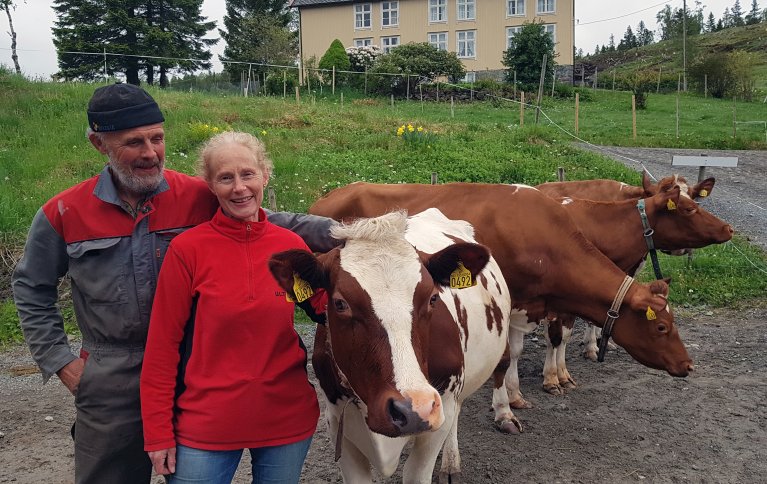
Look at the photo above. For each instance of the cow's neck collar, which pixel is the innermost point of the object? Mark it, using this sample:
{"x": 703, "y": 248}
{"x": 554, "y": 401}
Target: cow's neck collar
{"x": 612, "y": 315}
{"x": 648, "y": 233}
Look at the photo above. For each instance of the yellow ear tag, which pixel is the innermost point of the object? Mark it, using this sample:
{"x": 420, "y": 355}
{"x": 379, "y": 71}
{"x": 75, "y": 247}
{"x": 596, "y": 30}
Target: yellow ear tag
{"x": 703, "y": 193}
{"x": 301, "y": 288}
{"x": 460, "y": 278}
{"x": 650, "y": 314}
{"x": 671, "y": 205}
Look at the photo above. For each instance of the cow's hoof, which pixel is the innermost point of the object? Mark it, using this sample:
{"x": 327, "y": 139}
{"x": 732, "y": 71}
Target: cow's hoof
{"x": 509, "y": 426}
{"x": 590, "y": 355}
{"x": 568, "y": 384}
{"x": 611, "y": 346}
{"x": 553, "y": 389}
{"x": 449, "y": 478}
{"x": 520, "y": 403}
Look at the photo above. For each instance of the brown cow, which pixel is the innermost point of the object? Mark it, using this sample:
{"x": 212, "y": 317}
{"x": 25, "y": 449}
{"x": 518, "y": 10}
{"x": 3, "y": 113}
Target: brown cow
{"x": 547, "y": 262}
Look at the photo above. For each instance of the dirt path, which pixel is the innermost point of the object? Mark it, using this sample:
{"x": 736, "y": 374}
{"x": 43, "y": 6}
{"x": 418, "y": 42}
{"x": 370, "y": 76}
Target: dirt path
{"x": 624, "y": 422}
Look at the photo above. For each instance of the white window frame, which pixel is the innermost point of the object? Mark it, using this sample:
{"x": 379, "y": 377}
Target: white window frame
{"x": 466, "y": 44}
{"x": 392, "y": 8}
{"x": 387, "y": 46}
{"x": 363, "y": 12}
{"x": 519, "y": 8}
{"x": 466, "y": 9}
{"x": 364, "y": 42}
{"x": 552, "y": 30}
{"x": 437, "y": 11}
{"x": 434, "y": 40}
{"x": 470, "y": 76}
{"x": 510, "y": 33}
{"x": 545, "y": 6}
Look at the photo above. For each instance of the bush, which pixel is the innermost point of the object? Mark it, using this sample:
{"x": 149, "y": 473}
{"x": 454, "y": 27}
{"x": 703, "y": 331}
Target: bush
{"x": 362, "y": 58}
{"x": 421, "y": 61}
{"x": 274, "y": 82}
{"x": 713, "y": 70}
{"x": 525, "y": 55}
{"x": 640, "y": 83}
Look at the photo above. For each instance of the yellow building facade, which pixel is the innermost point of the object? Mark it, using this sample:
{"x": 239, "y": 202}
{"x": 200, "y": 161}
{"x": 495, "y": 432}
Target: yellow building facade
{"x": 478, "y": 31}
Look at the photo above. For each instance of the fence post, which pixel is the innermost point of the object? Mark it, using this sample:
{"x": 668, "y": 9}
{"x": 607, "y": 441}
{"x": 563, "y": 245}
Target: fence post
{"x": 272, "y": 200}
{"x": 437, "y": 91}
{"x": 613, "y": 79}
{"x": 420, "y": 91}
{"x": 452, "y": 107}
{"x": 540, "y": 89}
{"x": 561, "y": 173}
{"x": 434, "y": 178}
{"x": 596, "y": 78}
{"x": 515, "y": 84}
{"x": 392, "y": 100}
{"x": 298, "y": 95}
{"x": 408, "y": 87}
{"x": 583, "y": 75}
{"x": 705, "y": 86}
{"x": 553, "y": 83}
{"x": 333, "y": 89}
{"x": 284, "y": 84}
{"x": 677, "y": 116}
{"x": 634, "y": 114}
{"x": 521, "y": 108}
{"x": 342, "y": 100}
{"x": 734, "y": 118}
{"x": 679, "y": 84}
{"x": 366, "y": 81}
{"x": 577, "y": 108}
{"x": 660, "y": 70}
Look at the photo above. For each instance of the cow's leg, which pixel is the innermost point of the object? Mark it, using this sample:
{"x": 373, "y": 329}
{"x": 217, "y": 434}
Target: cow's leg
{"x": 590, "y": 348}
{"x": 505, "y": 420}
{"x": 565, "y": 380}
{"x": 516, "y": 340}
{"x": 450, "y": 470}
{"x": 419, "y": 465}
{"x": 552, "y": 329}
{"x": 355, "y": 467}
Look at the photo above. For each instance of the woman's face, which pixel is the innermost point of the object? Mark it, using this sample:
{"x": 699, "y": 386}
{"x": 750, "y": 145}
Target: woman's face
{"x": 237, "y": 181}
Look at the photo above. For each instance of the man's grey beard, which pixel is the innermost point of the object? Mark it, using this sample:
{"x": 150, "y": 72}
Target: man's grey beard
{"x": 135, "y": 185}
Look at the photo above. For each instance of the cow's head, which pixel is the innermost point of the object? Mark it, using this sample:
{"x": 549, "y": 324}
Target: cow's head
{"x": 696, "y": 192}
{"x": 382, "y": 293}
{"x": 679, "y": 222}
{"x": 645, "y": 329}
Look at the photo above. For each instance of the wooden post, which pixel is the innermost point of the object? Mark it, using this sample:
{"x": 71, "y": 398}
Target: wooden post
{"x": 308, "y": 79}
{"x": 596, "y": 78}
{"x": 515, "y": 84}
{"x": 540, "y": 89}
{"x": 434, "y": 178}
{"x": 613, "y": 79}
{"x": 521, "y": 108}
{"x": 342, "y": 100}
{"x": 657, "y": 89}
{"x": 452, "y": 107}
{"x": 734, "y": 118}
{"x": 392, "y": 100}
{"x": 634, "y": 114}
{"x": 420, "y": 91}
{"x": 471, "y": 91}
{"x": 577, "y": 109}
{"x": 438, "y": 92}
{"x": 561, "y": 173}
{"x": 677, "y": 116}
{"x": 333, "y": 88}
{"x": 366, "y": 81}
{"x": 553, "y": 83}
{"x": 272, "y": 200}
{"x": 705, "y": 85}
{"x": 284, "y": 84}
{"x": 583, "y": 75}
{"x": 298, "y": 95}
{"x": 679, "y": 84}
{"x": 408, "y": 87}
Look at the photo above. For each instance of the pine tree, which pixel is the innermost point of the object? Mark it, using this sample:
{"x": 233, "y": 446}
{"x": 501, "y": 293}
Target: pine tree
{"x": 737, "y": 14}
{"x": 257, "y": 31}
{"x": 129, "y": 31}
{"x": 711, "y": 24}
{"x": 611, "y": 44}
{"x": 525, "y": 54}
{"x": 629, "y": 40}
{"x": 754, "y": 15}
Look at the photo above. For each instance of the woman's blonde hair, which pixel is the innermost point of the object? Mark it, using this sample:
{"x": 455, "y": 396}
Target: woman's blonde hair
{"x": 222, "y": 140}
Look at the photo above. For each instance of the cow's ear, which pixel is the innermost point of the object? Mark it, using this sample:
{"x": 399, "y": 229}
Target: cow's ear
{"x": 669, "y": 198}
{"x": 285, "y": 265}
{"x": 654, "y": 295}
{"x": 473, "y": 257}
{"x": 703, "y": 189}
{"x": 649, "y": 188}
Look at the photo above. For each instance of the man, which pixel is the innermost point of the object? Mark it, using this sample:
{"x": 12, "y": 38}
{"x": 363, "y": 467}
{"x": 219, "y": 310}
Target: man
{"x": 110, "y": 234}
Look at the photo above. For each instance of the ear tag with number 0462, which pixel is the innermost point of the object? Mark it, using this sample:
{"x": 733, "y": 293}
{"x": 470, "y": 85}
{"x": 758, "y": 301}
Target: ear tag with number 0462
{"x": 650, "y": 314}
{"x": 301, "y": 289}
{"x": 461, "y": 278}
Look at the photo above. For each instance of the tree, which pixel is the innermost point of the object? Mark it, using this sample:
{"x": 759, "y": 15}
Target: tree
{"x": 130, "y": 31}
{"x": 737, "y": 15}
{"x": 754, "y": 15}
{"x": 335, "y": 57}
{"x": 672, "y": 21}
{"x": 629, "y": 40}
{"x": 644, "y": 35}
{"x": 611, "y": 44}
{"x": 256, "y": 31}
{"x": 525, "y": 54}
{"x": 9, "y": 5}
{"x": 711, "y": 23}
{"x": 418, "y": 62}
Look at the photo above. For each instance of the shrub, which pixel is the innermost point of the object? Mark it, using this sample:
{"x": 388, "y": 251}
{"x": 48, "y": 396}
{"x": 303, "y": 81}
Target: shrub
{"x": 525, "y": 54}
{"x": 362, "y": 58}
{"x": 275, "y": 80}
{"x": 713, "y": 70}
{"x": 421, "y": 61}
{"x": 640, "y": 83}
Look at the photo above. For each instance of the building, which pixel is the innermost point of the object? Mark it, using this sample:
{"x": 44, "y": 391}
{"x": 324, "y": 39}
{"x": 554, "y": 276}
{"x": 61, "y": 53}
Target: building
{"x": 477, "y": 30}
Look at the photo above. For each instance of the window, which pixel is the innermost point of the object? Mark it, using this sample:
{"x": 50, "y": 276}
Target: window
{"x": 389, "y": 14}
{"x": 515, "y": 7}
{"x": 362, "y": 15}
{"x": 362, "y": 42}
{"x": 470, "y": 77}
{"x": 545, "y": 6}
{"x": 388, "y": 43}
{"x": 466, "y": 40}
{"x": 551, "y": 30}
{"x": 437, "y": 10}
{"x": 510, "y": 33}
{"x": 466, "y": 9}
{"x": 438, "y": 40}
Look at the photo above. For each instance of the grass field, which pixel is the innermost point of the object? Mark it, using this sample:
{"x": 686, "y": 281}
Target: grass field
{"x": 320, "y": 144}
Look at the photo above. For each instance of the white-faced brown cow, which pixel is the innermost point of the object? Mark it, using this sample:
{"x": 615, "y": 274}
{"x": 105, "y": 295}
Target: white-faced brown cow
{"x": 402, "y": 350}
{"x": 548, "y": 264}
{"x": 616, "y": 229}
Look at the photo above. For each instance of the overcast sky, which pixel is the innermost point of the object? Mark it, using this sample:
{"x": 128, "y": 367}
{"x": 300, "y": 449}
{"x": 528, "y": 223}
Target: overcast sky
{"x": 595, "y": 21}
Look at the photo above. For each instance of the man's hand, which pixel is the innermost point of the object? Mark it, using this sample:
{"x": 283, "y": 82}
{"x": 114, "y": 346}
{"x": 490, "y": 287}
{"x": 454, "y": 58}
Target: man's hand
{"x": 71, "y": 373}
{"x": 164, "y": 461}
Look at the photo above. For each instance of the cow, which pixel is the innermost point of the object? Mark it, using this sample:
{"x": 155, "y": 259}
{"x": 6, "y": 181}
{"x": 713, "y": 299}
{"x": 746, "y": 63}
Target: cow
{"x": 616, "y": 229}
{"x": 547, "y": 262}
{"x": 402, "y": 349}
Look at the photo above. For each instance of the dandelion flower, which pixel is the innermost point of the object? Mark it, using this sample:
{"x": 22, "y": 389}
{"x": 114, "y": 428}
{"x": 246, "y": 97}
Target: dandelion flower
{"x": 263, "y": 132}
{"x": 420, "y": 128}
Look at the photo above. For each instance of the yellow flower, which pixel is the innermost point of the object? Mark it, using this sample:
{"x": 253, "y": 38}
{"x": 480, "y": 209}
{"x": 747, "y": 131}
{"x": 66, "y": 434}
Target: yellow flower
{"x": 410, "y": 128}
{"x": 215, "y": 129}
{"x": 420, "y": 128}
{"x": 400, "y": 131}
{"x": 263, "y": 132}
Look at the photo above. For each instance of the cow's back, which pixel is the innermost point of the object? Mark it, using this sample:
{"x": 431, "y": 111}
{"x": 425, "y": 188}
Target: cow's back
{"x": 605, "y": 190}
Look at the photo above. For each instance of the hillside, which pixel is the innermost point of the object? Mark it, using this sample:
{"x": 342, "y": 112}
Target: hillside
{"x": 668, "y": 54}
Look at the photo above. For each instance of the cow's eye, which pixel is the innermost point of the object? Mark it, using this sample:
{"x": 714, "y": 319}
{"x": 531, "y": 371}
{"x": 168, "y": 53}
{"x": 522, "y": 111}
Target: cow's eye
{"x": 433, "y": 300}
{"x": 662, "y": 328}
{"x": 340, "y": 305}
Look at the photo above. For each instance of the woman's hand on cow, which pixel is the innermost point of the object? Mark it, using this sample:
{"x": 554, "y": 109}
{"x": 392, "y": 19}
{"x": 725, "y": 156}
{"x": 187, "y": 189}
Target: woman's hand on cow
{"x": 164, "y": 461}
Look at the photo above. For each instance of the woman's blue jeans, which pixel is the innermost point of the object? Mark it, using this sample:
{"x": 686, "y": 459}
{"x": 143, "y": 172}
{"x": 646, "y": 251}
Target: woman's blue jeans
{"x": 273, "y": 465}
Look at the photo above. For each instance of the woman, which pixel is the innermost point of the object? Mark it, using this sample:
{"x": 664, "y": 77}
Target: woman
{"x": 245, "y": 383}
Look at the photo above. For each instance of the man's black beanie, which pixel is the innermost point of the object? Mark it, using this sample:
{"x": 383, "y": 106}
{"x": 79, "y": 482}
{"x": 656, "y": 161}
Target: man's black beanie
{"x": 122, "y": 106}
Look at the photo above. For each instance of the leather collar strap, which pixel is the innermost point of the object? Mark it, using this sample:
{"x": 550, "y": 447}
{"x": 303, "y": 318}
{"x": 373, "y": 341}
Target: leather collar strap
{"x": 648, "y": 233}
{"x": 612, "y": 315}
